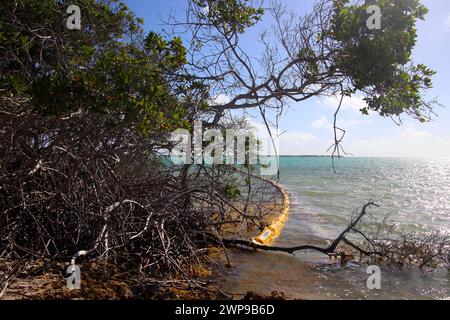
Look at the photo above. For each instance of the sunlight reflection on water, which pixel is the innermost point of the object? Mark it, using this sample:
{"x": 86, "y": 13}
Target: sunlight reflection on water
{"x": 415, "y": 192}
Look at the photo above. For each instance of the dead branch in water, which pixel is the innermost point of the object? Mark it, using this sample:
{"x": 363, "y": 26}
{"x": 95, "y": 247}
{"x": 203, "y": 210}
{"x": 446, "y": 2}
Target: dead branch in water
{"x": 330, "y": 250}
{"x": 401, "y": 250}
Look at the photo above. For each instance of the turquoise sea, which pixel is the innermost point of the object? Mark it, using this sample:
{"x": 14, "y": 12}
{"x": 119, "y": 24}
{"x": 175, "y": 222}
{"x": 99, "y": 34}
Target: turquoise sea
{"x": 416, "y": 194}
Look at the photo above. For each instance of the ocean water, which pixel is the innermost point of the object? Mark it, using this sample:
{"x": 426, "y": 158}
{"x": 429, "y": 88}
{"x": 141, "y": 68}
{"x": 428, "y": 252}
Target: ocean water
{"x": 416, "y": 194}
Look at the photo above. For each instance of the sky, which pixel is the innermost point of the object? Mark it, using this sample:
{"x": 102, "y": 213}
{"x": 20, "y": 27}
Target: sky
{"x": 307, "y": 126}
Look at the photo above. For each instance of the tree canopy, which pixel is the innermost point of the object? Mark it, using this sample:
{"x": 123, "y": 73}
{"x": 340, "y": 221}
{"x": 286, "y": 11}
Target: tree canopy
{"x": 327, "y": 51}
{"x": 107, "y": 66}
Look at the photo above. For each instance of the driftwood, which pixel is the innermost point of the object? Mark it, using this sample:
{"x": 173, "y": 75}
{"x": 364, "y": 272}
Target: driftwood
{"x": 380, "y": 240}
{"x": 330, "y": 250}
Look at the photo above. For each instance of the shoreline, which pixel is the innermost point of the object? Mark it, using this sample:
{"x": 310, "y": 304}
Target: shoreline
{"x": 273, "y": 231}
{"x": 44, "y": 279}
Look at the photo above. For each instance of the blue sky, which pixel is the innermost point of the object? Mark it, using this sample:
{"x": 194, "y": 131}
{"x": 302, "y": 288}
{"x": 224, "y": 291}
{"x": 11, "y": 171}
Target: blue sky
{"x": 307, "y": 125}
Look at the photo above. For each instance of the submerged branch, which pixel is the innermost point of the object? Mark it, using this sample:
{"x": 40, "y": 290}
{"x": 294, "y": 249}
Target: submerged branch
{"x": 330, "y": 250}
{"x": 400, "y": 250}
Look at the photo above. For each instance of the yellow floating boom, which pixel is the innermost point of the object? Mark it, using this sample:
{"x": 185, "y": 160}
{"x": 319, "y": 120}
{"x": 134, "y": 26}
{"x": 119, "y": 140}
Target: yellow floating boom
{"x": 273, "y": 231}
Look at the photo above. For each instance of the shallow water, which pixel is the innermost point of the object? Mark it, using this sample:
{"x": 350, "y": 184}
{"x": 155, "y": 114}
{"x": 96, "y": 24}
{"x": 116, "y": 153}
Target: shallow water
{"x": 415, "y": 191}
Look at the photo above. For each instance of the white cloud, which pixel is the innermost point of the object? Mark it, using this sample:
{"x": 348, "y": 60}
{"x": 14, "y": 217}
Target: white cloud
{"x": 220, "y": 99}
{"x": 354, "y": 122}
{"x": 410, "y": 142}
{"x": 297, "y": 137}
{"x": 321, "y": 123}
{"x": 447, "y": 23}
{"x": 354, "y": 102}
{"x": 411, "y": 134}
{"x": 205, "y": 9}
{"x": 291, "y": 142}
{"x": 299, "y": 142}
